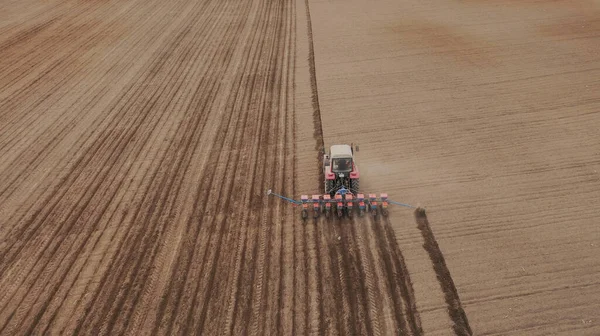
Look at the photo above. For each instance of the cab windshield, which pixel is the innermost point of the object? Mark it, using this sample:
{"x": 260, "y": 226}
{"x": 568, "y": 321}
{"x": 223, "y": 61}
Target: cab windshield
{"x": 342, "y": 165}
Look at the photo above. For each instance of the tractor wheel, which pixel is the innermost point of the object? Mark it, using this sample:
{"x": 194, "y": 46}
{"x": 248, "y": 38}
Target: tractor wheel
{"x": 354, "y": 186}
{"x": 328, "y": 186}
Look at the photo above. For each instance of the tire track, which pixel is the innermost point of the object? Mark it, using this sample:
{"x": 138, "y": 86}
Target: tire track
{"x": 317, "y": 120}
{"x": 356, "y": 280}
{"x": 391, "y": 274}
{"x": 455, "y": 310}
{"x": 408, "y": 295}
{"x": 343, "y": 284}
{"x": 250, "y": 100}
{"x": 324, "y": 301}
{"x": 287, "y": 294}
{"x": 240, "y": 241}
{"x": 206, "y": 180}
{"x": 271, "y": 104}
{"x": 259, "y": 251}
{"x": 204, "y": 297}
{"x": 282, "y": 183}
{"x": 270, "y": 301}
{"x": 373, "y": 287}
{"x": 318, "y": 124}
{"x": 331, "y": 307}
{"x": 369, "y": 289}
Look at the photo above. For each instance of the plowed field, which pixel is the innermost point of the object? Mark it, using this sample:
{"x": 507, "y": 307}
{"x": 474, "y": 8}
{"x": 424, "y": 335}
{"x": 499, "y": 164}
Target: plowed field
{"x": 138, "y": 139}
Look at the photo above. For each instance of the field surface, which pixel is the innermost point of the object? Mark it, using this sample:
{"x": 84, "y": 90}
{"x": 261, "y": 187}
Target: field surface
{"x": 138, "y": 139}
{"x": 486, "y": 113}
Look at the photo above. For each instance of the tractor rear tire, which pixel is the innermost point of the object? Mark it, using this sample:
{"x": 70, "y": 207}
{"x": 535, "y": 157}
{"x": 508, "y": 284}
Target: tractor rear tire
{"x": 354, "y": 186}
{"x": 328, "y": 186}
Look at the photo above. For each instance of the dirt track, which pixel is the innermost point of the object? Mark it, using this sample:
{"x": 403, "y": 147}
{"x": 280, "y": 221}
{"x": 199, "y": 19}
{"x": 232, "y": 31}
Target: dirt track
{"x": 138, "y": 139}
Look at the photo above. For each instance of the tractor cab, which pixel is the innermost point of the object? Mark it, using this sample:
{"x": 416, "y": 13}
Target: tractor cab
{"x": 341, "y": 158}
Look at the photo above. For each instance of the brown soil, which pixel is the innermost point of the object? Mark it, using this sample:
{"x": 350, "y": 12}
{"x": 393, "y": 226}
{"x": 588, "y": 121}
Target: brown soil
{"x": 486, "y": 113}
{"x": 138, "y": 139}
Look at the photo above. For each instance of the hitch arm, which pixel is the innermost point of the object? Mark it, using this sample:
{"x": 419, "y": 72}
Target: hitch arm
{"x": 402, "y": 204}
{"x": 293, "y": 201}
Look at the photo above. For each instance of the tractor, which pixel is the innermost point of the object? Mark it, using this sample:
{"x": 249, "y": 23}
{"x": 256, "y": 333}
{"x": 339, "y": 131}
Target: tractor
{"x": 340, "y": 170}
{"x": 342, "y": 195}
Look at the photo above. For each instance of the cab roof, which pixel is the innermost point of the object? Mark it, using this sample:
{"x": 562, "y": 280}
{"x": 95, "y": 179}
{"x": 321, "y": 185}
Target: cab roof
{"x": 341, "y": 151}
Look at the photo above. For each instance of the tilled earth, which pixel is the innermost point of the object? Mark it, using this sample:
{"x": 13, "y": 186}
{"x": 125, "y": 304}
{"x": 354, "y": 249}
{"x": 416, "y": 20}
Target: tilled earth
{"x": 486, "y": 112}
{"x": 138, "y": 139}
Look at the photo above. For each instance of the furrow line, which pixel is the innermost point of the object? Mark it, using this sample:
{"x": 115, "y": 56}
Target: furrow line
{"x": 93, "y": 192}
{"x": 391, "y": 276}
{"x": 331, "y": 307}
{"x": 212, "y": 170}
{"x": 207, "y": 179}
{"x": 455, "y": 310}
{"x": 97, "y": 131}
{"x": 196, "y": 135}
{"x": 122, "y": 309}
{"x": 338, "y": 255}
{"x": 359, "y": 284}
{"x": 239, "y": 257}
{"x": 405, "y": 284}
{"x": 373, "y": 297}
{"x": 275, "y": 301}
{"x": 270, "y": 103}
{"x": 120, "y": 260}
{"x": 56, "y": 132}
{"x": 284, "y": 320}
